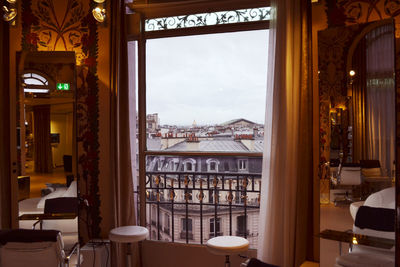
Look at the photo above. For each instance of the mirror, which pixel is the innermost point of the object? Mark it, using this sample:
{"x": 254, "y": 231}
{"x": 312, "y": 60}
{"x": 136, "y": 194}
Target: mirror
{"x": 46, "y": 121}
{"x": 356, "y": 69}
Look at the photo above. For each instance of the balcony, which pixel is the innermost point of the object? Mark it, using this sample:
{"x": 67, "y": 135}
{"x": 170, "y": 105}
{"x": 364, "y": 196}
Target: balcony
{"x": 185, "y": 195}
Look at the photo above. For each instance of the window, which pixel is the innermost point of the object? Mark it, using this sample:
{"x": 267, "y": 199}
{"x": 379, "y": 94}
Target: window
{"x": 189, "y": 165}
{"x": 212, "y": 165}
{"x": 187, "y": 224}
{"x": 215, "y": 228}
{"x": 166, "y": 223}
{"x": 242, "y": 164}
{"x": 35, "y": 83}
{"x": 241, "y": 226}
{"x": 197, "y": 119}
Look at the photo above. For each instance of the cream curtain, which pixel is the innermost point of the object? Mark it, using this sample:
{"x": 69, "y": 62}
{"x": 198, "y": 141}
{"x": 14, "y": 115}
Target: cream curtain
{"x": 121, "y": 144}
{"x": 286, "y": 213}
{"x": 380, "y": 105}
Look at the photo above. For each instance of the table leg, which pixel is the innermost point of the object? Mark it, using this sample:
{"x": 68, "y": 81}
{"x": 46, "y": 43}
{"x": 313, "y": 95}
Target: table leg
{"x": 227, "y": 262}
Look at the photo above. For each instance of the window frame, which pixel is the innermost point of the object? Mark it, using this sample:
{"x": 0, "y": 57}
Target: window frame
{"x": 136, "y": 18}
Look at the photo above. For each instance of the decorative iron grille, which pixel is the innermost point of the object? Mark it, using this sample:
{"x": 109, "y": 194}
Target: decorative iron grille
{"x": 208, "y": 19}
{"x": 196, "y": 197}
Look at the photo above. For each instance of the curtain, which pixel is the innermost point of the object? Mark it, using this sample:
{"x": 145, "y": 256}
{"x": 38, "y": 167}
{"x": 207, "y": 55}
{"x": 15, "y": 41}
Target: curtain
{"x": 381, "y": 96}
{"x": 121, "y": 144}
{"x": 286, "y": 208}
{"x": 42, "y": 156}
{"x": 358, "y": 87}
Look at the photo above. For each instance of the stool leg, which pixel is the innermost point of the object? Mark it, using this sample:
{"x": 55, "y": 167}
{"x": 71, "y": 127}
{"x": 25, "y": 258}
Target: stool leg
{"x": 227, "y": 262}
{"x": 128, "y": 255}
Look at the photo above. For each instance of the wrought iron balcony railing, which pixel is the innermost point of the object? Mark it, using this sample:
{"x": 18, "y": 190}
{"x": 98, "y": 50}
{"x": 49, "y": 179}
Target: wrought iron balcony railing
{"x": 194, "y": 200}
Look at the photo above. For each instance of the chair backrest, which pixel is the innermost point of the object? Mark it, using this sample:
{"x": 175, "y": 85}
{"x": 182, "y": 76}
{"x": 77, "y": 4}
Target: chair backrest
{"x": 350, "y": 174}
{"x": 371, "y": 168}
{"x": 34, "y": 248}
{"x": 61, "y": 205}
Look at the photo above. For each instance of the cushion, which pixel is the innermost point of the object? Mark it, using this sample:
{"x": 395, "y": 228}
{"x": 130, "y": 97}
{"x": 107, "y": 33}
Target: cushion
{"x": 380, "y": 219}
{"x": 72, "y": 190}
{"x": 371, "y": 172}
{"x": 382, "y": 199}
{"x": 363, "y": 259}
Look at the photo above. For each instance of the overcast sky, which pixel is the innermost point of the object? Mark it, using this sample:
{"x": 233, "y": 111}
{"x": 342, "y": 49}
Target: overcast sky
{"x": 207, "y": 78}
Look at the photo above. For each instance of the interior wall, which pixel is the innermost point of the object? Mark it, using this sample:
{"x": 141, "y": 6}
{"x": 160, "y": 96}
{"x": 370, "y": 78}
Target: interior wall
{"x": 61, "y": 124}
{"x": 182, "y": 255}
{"x": 4, "y": 129}
{"x": 34, "y": 31}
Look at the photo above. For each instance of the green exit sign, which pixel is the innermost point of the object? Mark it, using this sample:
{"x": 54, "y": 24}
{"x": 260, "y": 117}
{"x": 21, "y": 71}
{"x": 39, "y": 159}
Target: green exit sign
{"x": 63, "y": 86}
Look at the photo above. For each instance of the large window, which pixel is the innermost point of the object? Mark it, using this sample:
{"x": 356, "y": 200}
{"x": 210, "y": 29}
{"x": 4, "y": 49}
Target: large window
{"x": 204, "y": 107}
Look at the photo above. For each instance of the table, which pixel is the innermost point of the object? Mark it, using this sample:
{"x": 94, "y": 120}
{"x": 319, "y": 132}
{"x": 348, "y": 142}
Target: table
{"x": 46, "y": 216}
{"x": 227, "y": 245}
{"x": 357, "y": 239}
{"x": 128, "y": 234}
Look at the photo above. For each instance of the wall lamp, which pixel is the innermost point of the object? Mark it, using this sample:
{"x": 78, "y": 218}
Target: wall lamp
{"x": 10, "y": 12}
{"x": 99, "y": 12}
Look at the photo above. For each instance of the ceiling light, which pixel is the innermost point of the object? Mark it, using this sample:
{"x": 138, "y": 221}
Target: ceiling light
{"x": 99, "y": 1}
{"x": 352, "y": 73}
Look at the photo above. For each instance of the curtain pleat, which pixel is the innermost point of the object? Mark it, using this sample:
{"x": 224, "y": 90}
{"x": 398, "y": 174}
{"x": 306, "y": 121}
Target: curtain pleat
{"x": 286, "y": 208}
{"x": 358, "y": 87}
{"x": 380, "y": 97}
{"x": 121, "y": 145}
{"x": 42, "y": 156}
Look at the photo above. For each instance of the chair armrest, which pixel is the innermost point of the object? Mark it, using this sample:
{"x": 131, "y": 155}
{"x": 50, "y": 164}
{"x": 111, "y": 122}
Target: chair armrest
{"x": 38, "y": 221}
{"x": 75, "y": 248}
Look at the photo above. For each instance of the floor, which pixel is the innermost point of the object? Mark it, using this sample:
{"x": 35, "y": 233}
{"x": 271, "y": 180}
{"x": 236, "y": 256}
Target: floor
{"x": 39, "y": 180}
{"x": 336, "y": 218}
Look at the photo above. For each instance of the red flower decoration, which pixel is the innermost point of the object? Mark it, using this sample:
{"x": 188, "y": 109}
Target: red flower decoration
{"x": 90, "y": 61}
{"x": 87, "y": 40}
{"x": 32, "y": 38}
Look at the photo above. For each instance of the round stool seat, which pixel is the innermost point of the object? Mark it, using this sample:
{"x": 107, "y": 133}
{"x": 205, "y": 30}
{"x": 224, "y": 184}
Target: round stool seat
{"x": 227, "y": 245}
{"x": 128, "y": 234}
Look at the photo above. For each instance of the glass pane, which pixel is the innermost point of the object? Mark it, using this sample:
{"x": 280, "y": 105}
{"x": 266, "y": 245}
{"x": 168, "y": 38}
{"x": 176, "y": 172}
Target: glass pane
{"x": 29, "y": 81}
{"x": 204, "y": 88}
{"x": 208, "y": 19}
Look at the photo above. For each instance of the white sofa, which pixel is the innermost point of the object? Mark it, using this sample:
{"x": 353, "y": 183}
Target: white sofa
{"x": 68, "y": 228}
{"x": 370, "y": 256}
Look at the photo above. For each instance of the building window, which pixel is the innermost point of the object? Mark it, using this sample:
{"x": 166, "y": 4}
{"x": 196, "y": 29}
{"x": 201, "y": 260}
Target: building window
{"x": 166, "y": 224}
{"x": 212, "y": 165}
{"x": 187, "y": 226}
{"x": 242, "y": 164}
{"x": 215, "y": 228}
{"x": 189, "y": 165}
{"x": 241, "y": 229}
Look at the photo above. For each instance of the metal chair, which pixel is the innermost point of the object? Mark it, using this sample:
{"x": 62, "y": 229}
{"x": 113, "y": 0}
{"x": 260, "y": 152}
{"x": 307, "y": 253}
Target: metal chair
{"x": 23, "y": 247}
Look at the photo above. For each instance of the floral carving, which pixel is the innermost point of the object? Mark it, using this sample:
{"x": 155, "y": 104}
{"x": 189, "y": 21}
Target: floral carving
{"x": 69, "y": 26}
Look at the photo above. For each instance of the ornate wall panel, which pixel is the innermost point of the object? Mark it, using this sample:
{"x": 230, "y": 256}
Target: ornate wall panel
{"x": 50, "y": 25}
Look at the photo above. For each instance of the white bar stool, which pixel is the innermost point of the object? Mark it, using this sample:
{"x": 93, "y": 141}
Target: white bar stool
{"x": 227, "y": 245}
{"x": 128, "y": 235}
